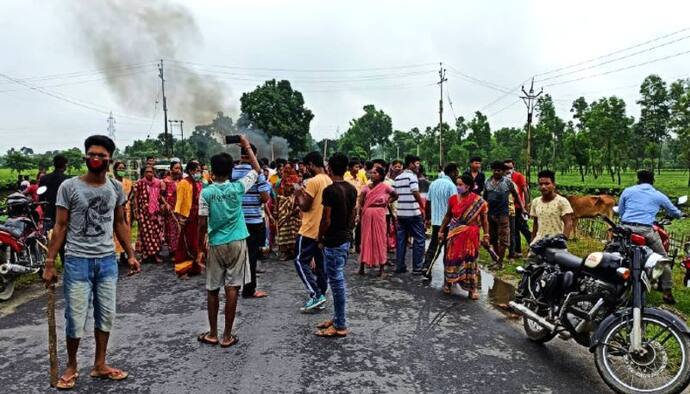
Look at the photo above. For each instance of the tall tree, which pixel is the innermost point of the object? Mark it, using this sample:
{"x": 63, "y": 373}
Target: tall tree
{"x": 548, "y": 133}
{"x": 679, "y": 95}
{"x": 371, "y": 129}
{"x": 654, "y": 112}
{"x": 18, "y": 161}
{"x": 278, "y": 110}
{"x": 480, "y": 135}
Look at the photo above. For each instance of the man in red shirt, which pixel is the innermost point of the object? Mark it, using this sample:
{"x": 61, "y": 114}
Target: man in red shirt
{"x": 520, "y": 209}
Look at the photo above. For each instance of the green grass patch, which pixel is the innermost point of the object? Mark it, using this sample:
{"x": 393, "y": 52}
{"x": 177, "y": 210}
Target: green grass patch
{"x": 673, "y": 183}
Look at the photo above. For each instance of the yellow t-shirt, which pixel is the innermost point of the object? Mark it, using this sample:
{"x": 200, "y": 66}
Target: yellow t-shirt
{"x": 550, "y": 216}
{"x": 183, "y": 203}
{"x": 311, "y": 220}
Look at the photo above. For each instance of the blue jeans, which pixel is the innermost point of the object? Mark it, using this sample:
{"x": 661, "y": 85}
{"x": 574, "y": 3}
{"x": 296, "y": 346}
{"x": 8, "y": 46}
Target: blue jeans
{"x": 86, "y": 280}
{"x": 314, "y": 281}
{"x": 334, "y": 262}
{"x": 410, "y": 226}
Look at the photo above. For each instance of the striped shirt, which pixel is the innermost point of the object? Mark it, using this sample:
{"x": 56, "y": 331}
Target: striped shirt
{"x": 252, "y": 208}
{"x": 405, "y": 184}
{"x": 439, "y": 192}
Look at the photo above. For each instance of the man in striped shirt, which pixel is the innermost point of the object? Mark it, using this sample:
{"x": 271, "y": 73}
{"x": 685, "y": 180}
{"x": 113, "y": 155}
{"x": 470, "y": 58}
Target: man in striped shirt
{"x": 252, "y": 208}
{"x": 410, "y": 217}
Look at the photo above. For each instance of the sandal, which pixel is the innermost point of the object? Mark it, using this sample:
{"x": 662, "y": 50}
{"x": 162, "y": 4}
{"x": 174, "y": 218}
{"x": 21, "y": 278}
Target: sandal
{"x": 258, "y": 294}
{"x": 233, "y": 341}
{"x": 474, "y": 295}
{"x": 446, "y": 289}
{"x": 331, "y": 332}
{"x": 203, "y": 338}
{"x": 114, "y": 374}
{"x": 67, "y": 383}
{"x": 325, "y": 324}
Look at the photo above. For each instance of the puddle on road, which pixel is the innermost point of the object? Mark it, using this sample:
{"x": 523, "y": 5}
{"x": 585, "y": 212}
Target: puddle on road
{"x": 494, "y": 291}
{"x": 497, "y": 293}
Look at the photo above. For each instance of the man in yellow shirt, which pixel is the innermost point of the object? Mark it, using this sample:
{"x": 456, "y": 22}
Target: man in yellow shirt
{"x": 309, "y": 261}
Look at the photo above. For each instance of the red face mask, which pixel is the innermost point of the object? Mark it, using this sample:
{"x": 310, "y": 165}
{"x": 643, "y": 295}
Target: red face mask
{"x": 96, "y": 165}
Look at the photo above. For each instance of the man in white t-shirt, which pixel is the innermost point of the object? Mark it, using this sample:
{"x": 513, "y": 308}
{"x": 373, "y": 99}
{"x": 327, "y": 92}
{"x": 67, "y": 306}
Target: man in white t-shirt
{"x": 551, "y": 212}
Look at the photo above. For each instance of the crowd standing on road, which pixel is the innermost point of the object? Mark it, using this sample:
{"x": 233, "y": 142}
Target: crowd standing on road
{"x": 314, "y": 212}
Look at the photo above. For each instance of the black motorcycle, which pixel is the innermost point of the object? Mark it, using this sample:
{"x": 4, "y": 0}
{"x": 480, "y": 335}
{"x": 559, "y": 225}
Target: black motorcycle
{"x": 599, "y": 302}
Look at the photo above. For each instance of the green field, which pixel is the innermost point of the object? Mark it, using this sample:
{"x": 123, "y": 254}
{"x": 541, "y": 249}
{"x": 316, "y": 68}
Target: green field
{"x": 673, "y": 183}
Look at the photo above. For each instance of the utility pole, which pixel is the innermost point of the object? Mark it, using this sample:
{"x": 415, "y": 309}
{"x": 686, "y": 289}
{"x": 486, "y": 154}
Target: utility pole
{"x": 111, "y": 126}
{"x": 165, "y": 107}
{"x": 181, "y": 129}
{"x": 442, "y": 79}
{"x": 530, "y": 101}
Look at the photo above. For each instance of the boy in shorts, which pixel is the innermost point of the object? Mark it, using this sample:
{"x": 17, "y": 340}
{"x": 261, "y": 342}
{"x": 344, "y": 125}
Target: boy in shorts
{"x": 220, "y": 211}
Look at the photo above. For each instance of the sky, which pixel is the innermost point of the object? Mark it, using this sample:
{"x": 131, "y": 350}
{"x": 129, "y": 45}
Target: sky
{"x": 71, "y": 62}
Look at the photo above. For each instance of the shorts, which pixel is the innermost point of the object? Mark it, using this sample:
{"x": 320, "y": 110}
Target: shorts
{"x": 227, "y": 265}
{"x": 86, "y": 280}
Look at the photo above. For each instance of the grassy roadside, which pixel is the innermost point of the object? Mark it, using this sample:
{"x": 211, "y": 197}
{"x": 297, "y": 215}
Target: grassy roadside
{"x": 585, "y": 245}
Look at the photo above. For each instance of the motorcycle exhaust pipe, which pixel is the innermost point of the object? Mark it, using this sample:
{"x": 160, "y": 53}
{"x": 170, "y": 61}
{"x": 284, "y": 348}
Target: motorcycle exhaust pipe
{"x": 14, "y": 268}
{"x": 528, "y": 313}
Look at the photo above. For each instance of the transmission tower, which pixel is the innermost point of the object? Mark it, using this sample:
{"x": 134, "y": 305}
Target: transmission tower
{"x": 111, "y": 126}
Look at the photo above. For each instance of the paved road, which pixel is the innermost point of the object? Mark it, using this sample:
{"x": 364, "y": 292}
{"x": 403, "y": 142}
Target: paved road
{"x": 406, "y": 337}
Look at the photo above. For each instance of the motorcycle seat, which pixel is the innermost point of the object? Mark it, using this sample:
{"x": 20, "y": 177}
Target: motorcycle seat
{"x": 564, "y": 259}
{"x": 14, "y": 227}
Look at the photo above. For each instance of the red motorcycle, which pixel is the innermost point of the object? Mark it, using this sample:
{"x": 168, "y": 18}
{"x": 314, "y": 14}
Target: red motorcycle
{"x": 23, "y": 242}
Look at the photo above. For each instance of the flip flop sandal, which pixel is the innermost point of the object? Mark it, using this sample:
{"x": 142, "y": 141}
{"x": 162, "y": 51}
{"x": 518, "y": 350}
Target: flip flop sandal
{"x": 259, "y": 294}
{"x": 325, "y": 324}
{"x": 114, "y": 374}
{"x": 67, "y": 384}
{"x": 233, "y": 341}
{"x": 331, "y": 332}
{"x": 203, "y": 338}
{"x": 474, "y": 295}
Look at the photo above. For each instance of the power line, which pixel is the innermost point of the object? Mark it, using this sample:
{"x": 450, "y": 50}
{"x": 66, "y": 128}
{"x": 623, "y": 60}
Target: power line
{"x": 332, "y": 70}
{"x": 478, "y": 81}
{"x": 613, "y": 60}
{"x": 613, "y": 53}
{"x": 79, "y": 74}
{"x": 620, "y": 69}
{"x": 64, "y": 98}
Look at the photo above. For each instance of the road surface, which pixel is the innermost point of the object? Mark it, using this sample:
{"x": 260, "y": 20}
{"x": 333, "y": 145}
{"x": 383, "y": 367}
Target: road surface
{"x": 406, "y": 337}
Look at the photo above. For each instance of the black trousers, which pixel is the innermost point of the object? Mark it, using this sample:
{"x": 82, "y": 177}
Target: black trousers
{"x": 257, "y": 239}
{"x": 521, "y": 227}
{"x": 431, "y": 250}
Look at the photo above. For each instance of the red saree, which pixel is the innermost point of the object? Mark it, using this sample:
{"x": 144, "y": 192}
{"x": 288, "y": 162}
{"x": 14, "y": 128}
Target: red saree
{"x": 462, "y": 248}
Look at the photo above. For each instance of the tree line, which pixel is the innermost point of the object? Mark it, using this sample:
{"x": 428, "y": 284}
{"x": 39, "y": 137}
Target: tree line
{"x": 599, "y": 139}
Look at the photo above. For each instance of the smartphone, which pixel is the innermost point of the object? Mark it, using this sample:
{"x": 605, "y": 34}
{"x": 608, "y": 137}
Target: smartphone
{"x": 232, "y": 139}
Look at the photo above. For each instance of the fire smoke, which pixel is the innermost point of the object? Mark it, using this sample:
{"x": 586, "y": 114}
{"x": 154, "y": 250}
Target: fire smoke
{"x": 115, "y": 34}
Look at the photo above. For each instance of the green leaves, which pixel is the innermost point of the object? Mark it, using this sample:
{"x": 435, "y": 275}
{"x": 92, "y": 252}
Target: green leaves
{"x": 278, "y": 110}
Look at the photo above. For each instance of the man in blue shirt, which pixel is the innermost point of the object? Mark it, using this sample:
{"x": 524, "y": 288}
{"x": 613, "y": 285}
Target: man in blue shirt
{"x": 440, "y": 191}
{"x": 252, "y": 208}
{"x": 638, "y": 207}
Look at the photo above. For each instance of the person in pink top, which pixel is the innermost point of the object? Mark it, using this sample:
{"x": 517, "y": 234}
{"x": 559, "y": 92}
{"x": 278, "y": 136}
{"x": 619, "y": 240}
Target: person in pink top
{"x": 373, "y": 203}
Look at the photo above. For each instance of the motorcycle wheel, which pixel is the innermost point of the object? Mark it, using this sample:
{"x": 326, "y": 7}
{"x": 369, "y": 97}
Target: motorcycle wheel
{"x": 6, "y": 288}
{"x": 665, "y": 368}
{"x": 535, "y": 332}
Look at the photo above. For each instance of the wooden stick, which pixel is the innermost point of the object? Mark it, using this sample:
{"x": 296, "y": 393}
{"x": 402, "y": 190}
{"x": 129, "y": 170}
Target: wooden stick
{"x": 52, "y": 337}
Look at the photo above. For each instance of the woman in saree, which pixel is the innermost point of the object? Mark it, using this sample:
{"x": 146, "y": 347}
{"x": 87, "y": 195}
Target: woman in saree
{"x": 287, "y": 217}
{"x": 119, "y": 169}
{"x": 172, "y": 229}
{"x": 187, "y": 254}
{"x": 373, "y": 202}
{"x": 148, "y": 200}
{"x": 467, "y": 212}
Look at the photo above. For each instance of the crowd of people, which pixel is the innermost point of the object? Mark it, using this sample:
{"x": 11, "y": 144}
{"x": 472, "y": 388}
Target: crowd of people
{"x": 315, "y": 212}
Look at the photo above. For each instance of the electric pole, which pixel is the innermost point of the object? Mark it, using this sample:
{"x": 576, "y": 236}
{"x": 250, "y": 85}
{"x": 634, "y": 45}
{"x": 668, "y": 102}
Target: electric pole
{"x": 181, "y": 129}
{"x": 165, "y": 107}
{"x": 442, "y": 79}
{"x": 111, "y": 126}
{"x": 530, "y": 101}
